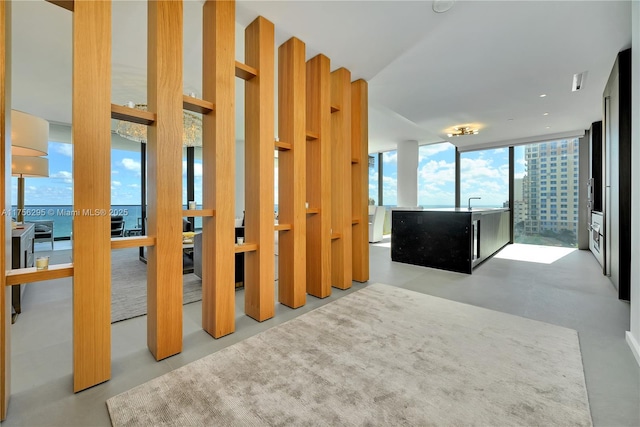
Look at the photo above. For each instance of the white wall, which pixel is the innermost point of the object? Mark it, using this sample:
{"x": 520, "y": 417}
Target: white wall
{"x": 633, "y": 336}
{"x": 408, "y": 157}
{"x": 239, "y": 178}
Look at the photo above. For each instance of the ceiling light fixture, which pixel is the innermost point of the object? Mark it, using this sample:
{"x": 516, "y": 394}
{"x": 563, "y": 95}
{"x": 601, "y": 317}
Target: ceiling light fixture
{"x": 191, "y": 131}
{"x": 543, "y": 95}
{"x": 462, "y": 130}
{"x": 578, "y": 81}
{"x": 545, "y": 114}
{"x": 441, "y": 6}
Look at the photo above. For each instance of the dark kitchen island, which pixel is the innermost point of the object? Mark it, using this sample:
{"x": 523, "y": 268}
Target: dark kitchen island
{"x": 455, "y": 239}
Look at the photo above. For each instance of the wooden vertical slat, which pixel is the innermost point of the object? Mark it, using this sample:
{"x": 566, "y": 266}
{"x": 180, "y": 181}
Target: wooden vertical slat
{"x": 5, "y": 196}
{"x": 218, "y": 164}
{"x": 259, "y": 294}
{"x": 292, "y": 187}
{"x": 164, "y": 177}
{"x": 360, "y": 179}
{"x": 318, "y": 162}
{"x": 341, "y": 257}
{"x": 91, "y": 193}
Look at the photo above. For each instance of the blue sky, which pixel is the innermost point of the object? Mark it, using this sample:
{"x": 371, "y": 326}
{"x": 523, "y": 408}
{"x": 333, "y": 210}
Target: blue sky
{"x": 483, "y": 173}
{"x": 125, "y": 179}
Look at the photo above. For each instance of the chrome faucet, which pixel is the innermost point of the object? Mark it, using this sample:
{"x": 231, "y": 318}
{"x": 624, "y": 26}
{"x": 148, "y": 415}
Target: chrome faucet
{"x": 478, "y": 198}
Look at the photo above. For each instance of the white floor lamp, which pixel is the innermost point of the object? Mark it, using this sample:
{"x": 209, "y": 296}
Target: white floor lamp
{"x": 29, "y": 141}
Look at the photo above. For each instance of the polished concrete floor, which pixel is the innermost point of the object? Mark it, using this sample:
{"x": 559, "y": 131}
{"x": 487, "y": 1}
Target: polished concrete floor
{"x": 566, "y": 290}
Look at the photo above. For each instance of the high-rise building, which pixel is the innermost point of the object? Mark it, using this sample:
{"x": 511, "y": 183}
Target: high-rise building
{"x": 550, "y": 187}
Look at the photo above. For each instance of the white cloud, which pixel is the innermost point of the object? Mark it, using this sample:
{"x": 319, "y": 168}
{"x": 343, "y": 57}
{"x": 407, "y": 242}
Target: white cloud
{"x": 116, "y": 183}
{"x": 390, "y": 157}
{"x": 64, "y": 149}
{"x": 65, "y": 176}
{"x": 131, "y": 165}
{"x": 437, "y": 172}
{"x": 134, "y": 185}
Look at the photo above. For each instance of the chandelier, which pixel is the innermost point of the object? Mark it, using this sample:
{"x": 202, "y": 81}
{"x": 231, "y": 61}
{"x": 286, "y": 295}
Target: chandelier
{"x": 191, "y": 131}
{"x": 462, "y": 130}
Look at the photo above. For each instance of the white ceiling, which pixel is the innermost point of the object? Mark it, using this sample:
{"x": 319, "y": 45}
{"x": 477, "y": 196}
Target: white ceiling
{"x": 482, "y": 62}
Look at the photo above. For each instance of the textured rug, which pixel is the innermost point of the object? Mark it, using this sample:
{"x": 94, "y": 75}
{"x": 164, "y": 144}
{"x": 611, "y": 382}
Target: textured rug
{"x": 379, "y": 356}
{"x": 129, "y": 283}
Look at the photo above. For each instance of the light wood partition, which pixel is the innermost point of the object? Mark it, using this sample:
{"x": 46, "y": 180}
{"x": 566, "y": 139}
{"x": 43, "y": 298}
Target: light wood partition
{"x": 259, "y": 278}
{"x": 92, "y": 193}
{"x": 341, "y": 241}
{"x": 218, "y": 166}
{"x": 164, "y": 178}
{"x": 318, "y": 168}
{"x": 292, "y": 186}
{"x": 5, "y": 196}
{"x": 360, "y": 179}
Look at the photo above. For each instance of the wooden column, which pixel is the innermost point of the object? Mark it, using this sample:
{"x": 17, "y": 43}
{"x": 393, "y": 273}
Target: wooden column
{"x": 341, "y": 257}
{"x": 164, "y": 174}
{"x": 5, "y": 196}
{"x": 292, "y": 186}
{"x": 259, "y": 298}
{"x": 91, "y": 193}
{"x": 360, "y": 179}
{"x": 218, "y": 168}
{"x": 318, "y": 161}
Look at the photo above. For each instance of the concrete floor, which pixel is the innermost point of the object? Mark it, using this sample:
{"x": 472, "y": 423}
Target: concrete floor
{"x": 570, "y": 292}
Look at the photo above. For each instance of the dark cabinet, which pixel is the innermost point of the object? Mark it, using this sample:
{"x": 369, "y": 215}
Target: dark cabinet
{"x": 21, "y": 257}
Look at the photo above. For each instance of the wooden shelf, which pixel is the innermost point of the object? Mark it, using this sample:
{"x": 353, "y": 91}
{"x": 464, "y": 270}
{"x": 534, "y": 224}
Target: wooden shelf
{"x": 189, "y": 213}
{"x": 355, "y": 221}
{"x": 30, "y": 275}
{"x": 335, "y": 108}
{"x": 355, "y": 161}
{"x": 244, "y": 71}
{"x": 311, "y": 211}
{"x": 283, "y": 227}
{"x": 282, "y": 146}
{"x": 133, "y": 115}
{"x": 132, "y": 242}
{"x": 246, "y": 247}
{"x": 65, "y": 4}
{"x": 311, "y": 136}
{"x": 197, "y": 105}
{"x": 336, "y": 236}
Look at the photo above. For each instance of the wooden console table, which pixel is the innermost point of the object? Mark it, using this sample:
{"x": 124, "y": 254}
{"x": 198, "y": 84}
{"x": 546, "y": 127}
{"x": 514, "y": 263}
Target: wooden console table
{"x": 21, "y": 257}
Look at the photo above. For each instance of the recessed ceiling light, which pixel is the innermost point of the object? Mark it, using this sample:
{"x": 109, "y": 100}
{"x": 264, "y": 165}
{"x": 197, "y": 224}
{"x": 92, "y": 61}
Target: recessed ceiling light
{"x": 578, "y": 81}
{"x": 441, "y": 6}
{"x": 548, "y": 127}
{"x": 545, "y": 114}
{"x": 543, "y": 95}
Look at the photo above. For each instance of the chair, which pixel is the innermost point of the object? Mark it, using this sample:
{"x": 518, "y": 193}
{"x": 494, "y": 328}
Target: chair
{"x": 117, "y": 226}
{"x": 43, "y": 231}
{"x": 376, "y": 223}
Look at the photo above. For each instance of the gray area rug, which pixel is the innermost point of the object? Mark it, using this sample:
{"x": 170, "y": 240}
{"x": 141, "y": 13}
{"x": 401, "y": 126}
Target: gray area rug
{"x": 129, "y": 283}
{"x": 379, "y": 356}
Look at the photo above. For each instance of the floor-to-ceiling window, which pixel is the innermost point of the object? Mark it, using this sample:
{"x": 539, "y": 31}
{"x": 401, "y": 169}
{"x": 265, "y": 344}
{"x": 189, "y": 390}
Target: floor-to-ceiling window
{"x": 390, "y": 178}
{"x": 374, "y": 170}
{"x": 546, "y": 193}
{"x": 485, "y": 174}
{"x": 436, "y": 175}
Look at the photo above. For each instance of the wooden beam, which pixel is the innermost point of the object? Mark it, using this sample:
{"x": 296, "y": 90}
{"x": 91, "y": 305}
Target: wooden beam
{"x": 133, "y": 115}
{"x": 360, "y": 179}
{"x": 65, "y": 4}
{"x": 259, "y": 278}
{"x": 164, "y": 173}
{"x": 341, "y": 256}
{"x": 197, "y": 105}
{"x": 5, "y": 197}
{"x": 292, "y": 184}
{"x": 218, "y": 168}
{"x": 189, "y": 213}
{"x": 132, "y": 242}
{"x": 318, "y": 171}
{"x": 30, "y": 275}
{"x": 91, "y": 191}
{"x": 245, "y": 72}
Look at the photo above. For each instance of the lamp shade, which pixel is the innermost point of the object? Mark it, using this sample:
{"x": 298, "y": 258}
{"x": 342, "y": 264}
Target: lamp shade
{"x": 29, "y": 135}
{"x": 27, "y": 166}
